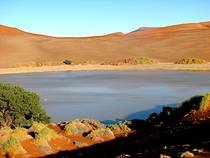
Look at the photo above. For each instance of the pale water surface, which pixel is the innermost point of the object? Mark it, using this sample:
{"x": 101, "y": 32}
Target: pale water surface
{"x": 109, "y": 95}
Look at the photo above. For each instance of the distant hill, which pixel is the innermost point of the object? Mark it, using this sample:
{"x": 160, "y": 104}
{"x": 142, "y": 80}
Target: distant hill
{"x": 166, "y": 44}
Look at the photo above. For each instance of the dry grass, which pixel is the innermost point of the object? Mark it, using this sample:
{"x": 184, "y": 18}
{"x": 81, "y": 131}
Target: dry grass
{"x": 45, "y": 135}
{"x": 191, "y": 61}
{"x": 199, "y": 103}
{"x": 102, "y": 132}
{"x": 21, "y": 134}
{"x": 38, "y": 64}
{"x": 12, "y": 146}
{"x": 36, "y": 127}
{"x": 121, "y": 127}
{"x": 76, "y": 127}
{"x": 132, "y": 61}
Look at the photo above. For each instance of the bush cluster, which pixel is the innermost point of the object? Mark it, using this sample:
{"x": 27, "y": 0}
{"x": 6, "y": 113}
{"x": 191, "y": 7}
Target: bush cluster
{"x": 132, "y": 61}
{"x": 67, "y": 62}
{"x": 191, "y": 61}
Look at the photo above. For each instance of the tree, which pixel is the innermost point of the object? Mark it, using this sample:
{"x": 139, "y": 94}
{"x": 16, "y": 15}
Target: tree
{"x": 19, "y": 107}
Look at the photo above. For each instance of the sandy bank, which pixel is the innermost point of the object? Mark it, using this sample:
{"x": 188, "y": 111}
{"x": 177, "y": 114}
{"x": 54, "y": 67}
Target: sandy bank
{"x": 95, "y": 67}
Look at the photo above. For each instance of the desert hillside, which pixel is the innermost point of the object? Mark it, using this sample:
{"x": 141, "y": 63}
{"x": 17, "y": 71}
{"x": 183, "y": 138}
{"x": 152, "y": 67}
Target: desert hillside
{"x": 166, "y": 44}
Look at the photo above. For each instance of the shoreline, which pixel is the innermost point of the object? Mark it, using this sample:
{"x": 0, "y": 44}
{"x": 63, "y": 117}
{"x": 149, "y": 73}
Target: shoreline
{"x": 98, "y": 67}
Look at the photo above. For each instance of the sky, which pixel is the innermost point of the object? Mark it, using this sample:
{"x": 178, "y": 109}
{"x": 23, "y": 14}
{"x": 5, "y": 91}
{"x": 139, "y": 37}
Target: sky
{"x": 99, "y": 17}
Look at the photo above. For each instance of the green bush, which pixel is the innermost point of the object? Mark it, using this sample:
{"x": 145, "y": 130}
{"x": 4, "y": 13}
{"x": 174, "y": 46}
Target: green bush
{"x": 19, "y": 107}
{"x": 191, "y": 61}
{"x": 67, "y": 62}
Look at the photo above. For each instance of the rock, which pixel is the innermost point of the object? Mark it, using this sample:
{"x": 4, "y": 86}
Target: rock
{"x": 53, "y": 124}
{"x": 124, "y": 156}
{"x": 62, "y": 124}
{"x": 80, "y": 144}
{"x": 97, "y": 139}
{"x": 187, "y": 154}
{"x": 164, "y": 156}
{"x": 198, "y": 150}
{"x": 46, "y": 148}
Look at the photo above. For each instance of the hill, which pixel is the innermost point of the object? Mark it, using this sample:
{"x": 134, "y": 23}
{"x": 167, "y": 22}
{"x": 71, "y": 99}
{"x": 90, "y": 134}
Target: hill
{"x": 166, "y": 44}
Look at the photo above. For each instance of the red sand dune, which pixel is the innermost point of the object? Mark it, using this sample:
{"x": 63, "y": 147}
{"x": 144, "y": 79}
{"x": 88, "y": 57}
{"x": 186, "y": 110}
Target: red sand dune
{"x": 166, "y": 44}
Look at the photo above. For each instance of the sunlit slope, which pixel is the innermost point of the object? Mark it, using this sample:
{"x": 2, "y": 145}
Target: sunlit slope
{"x": 166, "y": 44}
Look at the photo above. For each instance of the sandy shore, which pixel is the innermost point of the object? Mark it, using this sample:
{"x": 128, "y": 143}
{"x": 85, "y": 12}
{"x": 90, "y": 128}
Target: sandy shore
{"x": 95, "y": 67}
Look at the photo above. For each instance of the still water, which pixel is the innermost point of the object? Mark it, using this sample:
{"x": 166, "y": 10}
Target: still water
{"x": 110, "y": 95}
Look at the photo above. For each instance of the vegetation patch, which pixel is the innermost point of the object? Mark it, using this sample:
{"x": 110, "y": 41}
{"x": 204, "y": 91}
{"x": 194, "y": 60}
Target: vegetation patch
{"x": 4, "y": 134}
{"x": 36, "y": 127}
{"x": 121, "y": 127}
{"x": 92, "y": 124}
{"x": 145, "y": 60}
{"x": 132, "y": 61}
{"x": 76, "y": 127}
{"x": 19, "y": 107}
{"x": 13, "y": 146}
{"x": 20, "y": 134}
{"x": 191, "y": 61}
{"x": 44, "y": 135}
{"x": 102, "y": 132}
{"x": 67, "y": 62}
{"x": 38, "y": 64}
{"x": 198, "y": 102}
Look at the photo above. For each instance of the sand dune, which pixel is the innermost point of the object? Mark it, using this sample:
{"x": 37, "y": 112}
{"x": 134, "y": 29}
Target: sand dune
{"x": 166, "y": 44}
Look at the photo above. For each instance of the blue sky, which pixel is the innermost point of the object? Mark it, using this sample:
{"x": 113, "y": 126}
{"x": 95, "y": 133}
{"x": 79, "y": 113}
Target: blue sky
{"x": 97, "y": 17}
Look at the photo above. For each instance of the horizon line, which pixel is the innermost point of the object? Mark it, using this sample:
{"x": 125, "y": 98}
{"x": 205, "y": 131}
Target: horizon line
{"x": 101, "y": 35}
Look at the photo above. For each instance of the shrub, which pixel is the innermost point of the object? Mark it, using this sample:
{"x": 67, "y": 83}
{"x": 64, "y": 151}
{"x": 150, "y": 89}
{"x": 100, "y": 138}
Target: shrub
{"x": 36, "y": 127}
{"x": 145, "y": 60}
{"x": 67, "y": 62}
{"x": 19, "y": 107}
{"x": 152, "y": 117}
{"x": 44, "y": 135}
{"x": 198, "y": 102}
{"x": 76, "y": 127}
{"x": 132, "y": 61}
{"x": 92, "y": 124}
{"x": 121, "y": 127}
{"x": 101, "y": 132}
{"x": 12, "y": 145}
{"x": 169, "y": 115}
{"x": 42, "y": 138}
{"x": 191, "y": 61}
{"x": 20, "y": 134}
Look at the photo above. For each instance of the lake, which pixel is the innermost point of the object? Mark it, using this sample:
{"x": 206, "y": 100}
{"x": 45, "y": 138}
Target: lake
{"x": 110, "y": 95}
